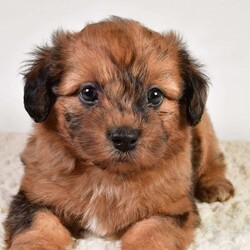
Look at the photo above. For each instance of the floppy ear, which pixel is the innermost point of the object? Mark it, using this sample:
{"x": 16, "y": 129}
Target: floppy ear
{"x": 38, "y": 94}
{"x": 195, "y": 87}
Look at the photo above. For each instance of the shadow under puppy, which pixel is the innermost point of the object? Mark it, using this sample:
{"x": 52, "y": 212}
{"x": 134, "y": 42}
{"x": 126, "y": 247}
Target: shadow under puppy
{"x": 121, "y": 145}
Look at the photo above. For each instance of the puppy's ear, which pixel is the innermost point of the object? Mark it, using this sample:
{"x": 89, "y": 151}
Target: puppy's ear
{"x": 43, "y": 74}
{"x": 38, "y": 95}
{"x": 195, "y": 87}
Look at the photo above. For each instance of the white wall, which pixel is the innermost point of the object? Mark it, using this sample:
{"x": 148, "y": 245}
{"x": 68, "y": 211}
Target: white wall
{"x": 217, "y": 32}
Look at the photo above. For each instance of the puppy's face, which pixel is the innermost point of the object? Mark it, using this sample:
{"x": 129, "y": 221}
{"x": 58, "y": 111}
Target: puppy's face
{"x": 121, "y": 95}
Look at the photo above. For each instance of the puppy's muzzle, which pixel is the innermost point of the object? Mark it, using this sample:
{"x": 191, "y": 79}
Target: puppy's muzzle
{"x": 124, "y": 138}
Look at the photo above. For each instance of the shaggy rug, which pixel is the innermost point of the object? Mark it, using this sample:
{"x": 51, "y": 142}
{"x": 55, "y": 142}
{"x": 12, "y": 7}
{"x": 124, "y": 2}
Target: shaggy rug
{"x": 224, "y": 226}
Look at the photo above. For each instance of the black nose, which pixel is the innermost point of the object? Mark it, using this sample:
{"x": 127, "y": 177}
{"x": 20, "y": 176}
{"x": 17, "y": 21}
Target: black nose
{"x": 124, "y": 138}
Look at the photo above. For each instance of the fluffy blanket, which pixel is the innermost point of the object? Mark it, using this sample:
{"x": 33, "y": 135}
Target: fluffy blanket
{"x": 224, "y": 226}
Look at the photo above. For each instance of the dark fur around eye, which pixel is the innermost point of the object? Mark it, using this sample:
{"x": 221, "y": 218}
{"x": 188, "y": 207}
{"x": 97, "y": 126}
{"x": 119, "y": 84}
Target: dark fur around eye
{"x": 155, "y": 97}
{"x": 89, "y": 94}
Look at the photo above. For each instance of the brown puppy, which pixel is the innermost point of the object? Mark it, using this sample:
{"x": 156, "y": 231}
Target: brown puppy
{"x": 117, "y": 149}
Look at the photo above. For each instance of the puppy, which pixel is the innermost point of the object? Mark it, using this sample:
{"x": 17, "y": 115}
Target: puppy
{"x": 121, "y": 145}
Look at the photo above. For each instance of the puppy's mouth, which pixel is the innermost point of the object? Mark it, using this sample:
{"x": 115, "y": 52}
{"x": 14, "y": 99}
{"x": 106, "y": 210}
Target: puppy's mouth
{"x": 117, "y": 159}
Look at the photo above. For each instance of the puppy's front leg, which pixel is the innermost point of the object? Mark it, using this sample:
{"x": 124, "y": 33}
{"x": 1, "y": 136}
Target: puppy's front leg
{"x": 161, "y": 232}
{"x": 46, "y": 233}
{"x": 31, "y": 227}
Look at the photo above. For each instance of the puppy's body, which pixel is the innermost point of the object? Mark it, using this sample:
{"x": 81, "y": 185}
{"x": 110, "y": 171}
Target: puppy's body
{"x": 83, "y": 172}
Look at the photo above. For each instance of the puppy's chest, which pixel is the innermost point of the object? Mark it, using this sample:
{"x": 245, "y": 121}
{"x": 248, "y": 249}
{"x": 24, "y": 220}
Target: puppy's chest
{"x": 112, "y": 209}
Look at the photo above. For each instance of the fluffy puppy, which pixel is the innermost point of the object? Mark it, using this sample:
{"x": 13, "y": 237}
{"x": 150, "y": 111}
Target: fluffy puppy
{"x": 121, "y": 144}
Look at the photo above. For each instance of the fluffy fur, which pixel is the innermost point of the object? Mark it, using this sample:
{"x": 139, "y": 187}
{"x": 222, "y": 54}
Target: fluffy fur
{"x": 76, "y": 178}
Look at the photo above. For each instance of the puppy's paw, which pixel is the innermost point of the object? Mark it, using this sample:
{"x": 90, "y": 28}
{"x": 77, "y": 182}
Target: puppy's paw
{"x": 30, "y": 244}
{"x": 33, "y": 247}
{"x": 211, "y": 190}
{"x": 30, "y": 247}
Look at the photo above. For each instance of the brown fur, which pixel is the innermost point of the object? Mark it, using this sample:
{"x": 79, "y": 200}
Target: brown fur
{"x": 46, "y": 232}
{"x": 144, "y": 197}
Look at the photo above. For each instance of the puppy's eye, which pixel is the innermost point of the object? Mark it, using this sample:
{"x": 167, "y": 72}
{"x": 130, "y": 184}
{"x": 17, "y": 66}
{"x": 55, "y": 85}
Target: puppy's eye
{"x": 155, "y": 97}
{"x": 89, "y": 95}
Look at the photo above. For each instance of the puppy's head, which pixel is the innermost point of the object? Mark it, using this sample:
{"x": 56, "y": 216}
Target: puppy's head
{"x": 121, "y": 95}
